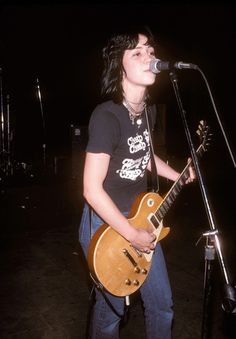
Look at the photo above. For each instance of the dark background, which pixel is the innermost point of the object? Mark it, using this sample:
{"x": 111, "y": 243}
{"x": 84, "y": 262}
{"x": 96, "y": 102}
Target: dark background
{"x": 59, "y": 43}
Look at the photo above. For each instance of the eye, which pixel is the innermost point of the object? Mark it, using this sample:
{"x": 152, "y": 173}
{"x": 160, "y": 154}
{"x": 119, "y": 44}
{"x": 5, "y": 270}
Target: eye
{"x": 152, "y": 52}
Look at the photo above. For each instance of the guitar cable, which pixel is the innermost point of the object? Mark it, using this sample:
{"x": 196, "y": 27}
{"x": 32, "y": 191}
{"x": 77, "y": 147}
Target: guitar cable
{"x": 101, "y": 289}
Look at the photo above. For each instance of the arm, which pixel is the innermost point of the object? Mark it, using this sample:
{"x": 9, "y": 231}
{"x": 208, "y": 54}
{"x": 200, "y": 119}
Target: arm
{"x": 164, "y": 170}
{"x": 95, "y": 170}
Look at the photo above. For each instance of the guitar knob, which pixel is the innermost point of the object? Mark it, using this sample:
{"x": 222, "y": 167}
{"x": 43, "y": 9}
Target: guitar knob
{"x": 137, "y": 269}
{"x": 127, "y": 282}
{"x": 144, "y": 271}
{"x": 136, "y": 282}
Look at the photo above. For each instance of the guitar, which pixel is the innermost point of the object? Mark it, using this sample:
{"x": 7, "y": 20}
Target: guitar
{"x": 117, "y": 266}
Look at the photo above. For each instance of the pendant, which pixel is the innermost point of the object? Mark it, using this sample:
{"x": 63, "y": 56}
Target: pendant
{"x": 139, "y": 122}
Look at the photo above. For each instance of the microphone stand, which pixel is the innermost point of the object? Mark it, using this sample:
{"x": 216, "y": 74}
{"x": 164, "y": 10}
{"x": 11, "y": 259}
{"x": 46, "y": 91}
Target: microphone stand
{"x": 2, "y": 136}
{"x": 43, "y": 121}
{"x": 9, "y": 158}
{"x": 229, "y": 301}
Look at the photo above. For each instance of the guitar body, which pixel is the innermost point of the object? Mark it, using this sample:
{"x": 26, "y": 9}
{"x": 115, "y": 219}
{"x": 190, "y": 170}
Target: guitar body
{"x": 113, "y": 262}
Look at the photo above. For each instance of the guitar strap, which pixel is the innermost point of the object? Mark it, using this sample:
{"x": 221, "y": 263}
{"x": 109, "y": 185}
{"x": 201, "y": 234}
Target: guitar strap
{"x": 154, "y": 176}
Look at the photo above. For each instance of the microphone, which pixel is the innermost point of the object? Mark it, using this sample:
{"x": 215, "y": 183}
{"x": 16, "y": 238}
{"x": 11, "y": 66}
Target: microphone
{"x": 156, "y": 65}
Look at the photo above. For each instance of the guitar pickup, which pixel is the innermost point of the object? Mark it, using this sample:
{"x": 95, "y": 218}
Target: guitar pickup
{"x": 131, "y": 259}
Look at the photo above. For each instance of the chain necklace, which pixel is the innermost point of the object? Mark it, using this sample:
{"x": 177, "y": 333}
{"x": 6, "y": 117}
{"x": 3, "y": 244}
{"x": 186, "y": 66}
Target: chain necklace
{"x": 133, "y": 114}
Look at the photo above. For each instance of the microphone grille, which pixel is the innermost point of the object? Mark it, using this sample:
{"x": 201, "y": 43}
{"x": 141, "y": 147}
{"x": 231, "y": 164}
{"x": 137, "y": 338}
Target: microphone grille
{"x": 154, "y": 66}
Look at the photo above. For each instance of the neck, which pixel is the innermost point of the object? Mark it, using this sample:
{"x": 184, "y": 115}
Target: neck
{"x": 134, "y": 109}
{"x": 135, "y": 102}
{"x": 135, "y": 95}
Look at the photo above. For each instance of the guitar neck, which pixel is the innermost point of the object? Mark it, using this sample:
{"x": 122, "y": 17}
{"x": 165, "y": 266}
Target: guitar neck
{"x": 174, "y": 190}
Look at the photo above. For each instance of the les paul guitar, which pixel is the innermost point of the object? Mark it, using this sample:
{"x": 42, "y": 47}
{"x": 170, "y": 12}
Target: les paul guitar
{"x": 116, "y": 265}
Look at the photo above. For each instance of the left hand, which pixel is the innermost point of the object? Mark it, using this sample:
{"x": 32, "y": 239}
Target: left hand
{"x": 192, "y": 174}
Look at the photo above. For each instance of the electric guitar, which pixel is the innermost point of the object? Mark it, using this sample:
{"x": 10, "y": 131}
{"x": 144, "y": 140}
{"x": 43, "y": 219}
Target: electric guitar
{"x": 117, "y": 266}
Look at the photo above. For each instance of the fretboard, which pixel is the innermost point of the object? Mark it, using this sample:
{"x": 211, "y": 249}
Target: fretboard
{"x": 173, "y": 193}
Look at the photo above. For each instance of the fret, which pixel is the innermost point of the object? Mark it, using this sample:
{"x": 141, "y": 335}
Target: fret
{"x": 169, "y": 199}
{"x": 175, "y": 191}
{"x": 185, "y": 176}
{"x": 160, "y": 213}
{"x": 162, "y": 209}
{"x": 155, "y": 221}
{"x": 166, "y": 206}
{"x": 182, "y": 182}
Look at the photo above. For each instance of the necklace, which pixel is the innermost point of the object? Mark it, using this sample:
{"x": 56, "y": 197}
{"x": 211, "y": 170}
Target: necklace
{"x": 133, "y": 114}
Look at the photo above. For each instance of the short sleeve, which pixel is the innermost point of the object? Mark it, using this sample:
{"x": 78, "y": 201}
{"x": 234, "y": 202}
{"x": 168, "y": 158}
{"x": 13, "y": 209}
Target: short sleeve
{"x": 104, "y": 132}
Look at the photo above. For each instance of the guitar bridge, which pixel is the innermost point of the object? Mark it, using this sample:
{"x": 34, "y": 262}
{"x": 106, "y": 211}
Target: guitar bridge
{"x": 139, "y": 254}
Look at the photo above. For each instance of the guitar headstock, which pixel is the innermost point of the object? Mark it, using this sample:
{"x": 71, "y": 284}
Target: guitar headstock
{"x": 204, "y": 134}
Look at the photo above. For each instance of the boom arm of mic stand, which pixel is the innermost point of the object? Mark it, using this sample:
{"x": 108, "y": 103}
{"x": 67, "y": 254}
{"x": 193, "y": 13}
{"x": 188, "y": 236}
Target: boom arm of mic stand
{"x": 228, "y": 290}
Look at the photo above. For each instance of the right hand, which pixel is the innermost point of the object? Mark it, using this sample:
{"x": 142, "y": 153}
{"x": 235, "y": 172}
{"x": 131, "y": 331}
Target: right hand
{"x": 143, "y": 240}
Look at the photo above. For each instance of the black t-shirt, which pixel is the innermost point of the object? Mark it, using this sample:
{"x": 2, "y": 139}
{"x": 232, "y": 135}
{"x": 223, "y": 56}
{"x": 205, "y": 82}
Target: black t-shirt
{"x": 111, "y": 131}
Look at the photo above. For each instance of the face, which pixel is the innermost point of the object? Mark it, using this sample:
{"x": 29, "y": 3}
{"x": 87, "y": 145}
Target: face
{"x": 136, "y": 64}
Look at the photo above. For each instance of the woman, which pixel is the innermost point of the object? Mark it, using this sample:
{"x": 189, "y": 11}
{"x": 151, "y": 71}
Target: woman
{"x": 115, "y": 172}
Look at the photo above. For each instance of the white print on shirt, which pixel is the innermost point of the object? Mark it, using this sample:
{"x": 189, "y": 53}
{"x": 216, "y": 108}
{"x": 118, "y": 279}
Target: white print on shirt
{"x": 146, "y": 136}
{"x": 131, "y": 168}
{"x": 136, "y": 144}
{"x": 145, "y": 160}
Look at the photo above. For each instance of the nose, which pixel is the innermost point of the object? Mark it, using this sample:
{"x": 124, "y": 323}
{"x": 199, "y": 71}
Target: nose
{"x": 149, "y": 56}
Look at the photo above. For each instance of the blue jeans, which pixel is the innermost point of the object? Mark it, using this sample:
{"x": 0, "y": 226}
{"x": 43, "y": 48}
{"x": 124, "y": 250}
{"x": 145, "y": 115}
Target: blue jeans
{"x": 155, "y": 293}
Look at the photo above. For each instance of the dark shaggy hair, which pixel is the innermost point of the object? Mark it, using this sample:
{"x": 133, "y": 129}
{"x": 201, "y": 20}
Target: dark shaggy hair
{"x": 113, "y": 52}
